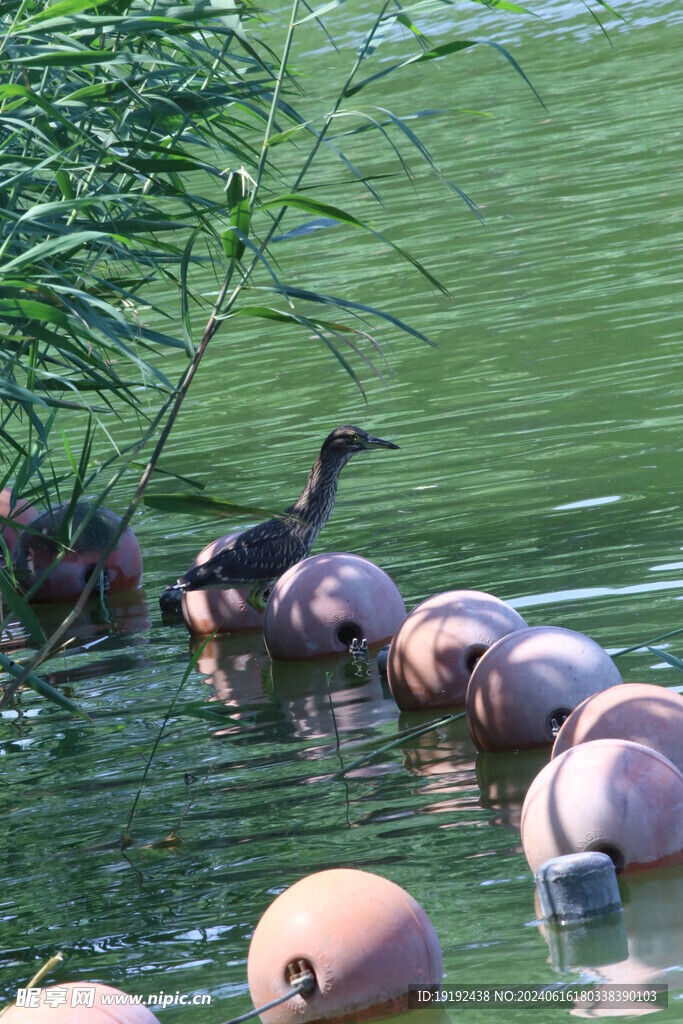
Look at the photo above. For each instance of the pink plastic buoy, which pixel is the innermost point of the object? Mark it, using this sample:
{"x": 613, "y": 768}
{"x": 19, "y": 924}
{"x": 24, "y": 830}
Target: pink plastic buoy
{"x": 19, "y": 511}
{"x": 78, "y": 1002}
{"x": 321, "y": 605}
{"x": 613, "y": 796}
{"x": 527, "y": 684}
{"x": 641, "y": 712}
{"x": 363, "y": 939}
{"x": 219, "y": 611}
{"x": 36, "y": 552}
{"x": 432, "y": 655}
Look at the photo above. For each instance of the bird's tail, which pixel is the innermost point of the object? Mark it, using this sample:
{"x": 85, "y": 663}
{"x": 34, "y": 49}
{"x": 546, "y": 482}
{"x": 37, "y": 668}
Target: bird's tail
{"x": 201, "y": 577}
{"x": 198, "y": 578}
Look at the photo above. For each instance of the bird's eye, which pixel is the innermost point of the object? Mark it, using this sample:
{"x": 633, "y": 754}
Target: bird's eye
{"x": 353, "y": 438}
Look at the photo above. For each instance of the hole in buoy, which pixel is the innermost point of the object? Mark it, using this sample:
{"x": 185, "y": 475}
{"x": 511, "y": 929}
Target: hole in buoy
{"x": 300, "y": 973}
{"x": 614, "y": 854}
{"x": 472, "y": 656}
{"x": 348, "y": 632}
{"x": 556, "y": 720}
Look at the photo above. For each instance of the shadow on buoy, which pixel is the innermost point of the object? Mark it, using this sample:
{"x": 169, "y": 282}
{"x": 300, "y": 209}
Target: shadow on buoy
{"x": 36, "y": 551}
{"x": 433, "y": 654}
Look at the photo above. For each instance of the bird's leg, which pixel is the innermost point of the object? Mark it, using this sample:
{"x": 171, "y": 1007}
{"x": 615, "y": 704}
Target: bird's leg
{"x": 257, "y": 596}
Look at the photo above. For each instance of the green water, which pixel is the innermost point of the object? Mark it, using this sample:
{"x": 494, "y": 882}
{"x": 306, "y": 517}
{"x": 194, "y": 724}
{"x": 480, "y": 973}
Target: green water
{"x": 540, "y": 460}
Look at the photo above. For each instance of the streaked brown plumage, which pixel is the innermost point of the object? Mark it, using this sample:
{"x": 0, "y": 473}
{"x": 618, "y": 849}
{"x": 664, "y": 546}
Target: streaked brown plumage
{"x": 259, "y": 556}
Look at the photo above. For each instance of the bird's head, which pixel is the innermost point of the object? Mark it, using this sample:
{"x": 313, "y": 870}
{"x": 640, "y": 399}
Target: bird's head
{"x": 347, "y": 440}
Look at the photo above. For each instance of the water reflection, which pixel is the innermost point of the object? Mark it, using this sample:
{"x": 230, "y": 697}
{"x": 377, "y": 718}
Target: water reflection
{"x": 94, "y": 651}
{"x": 443, "y": 760}
{"x": 652, "y": 952}
{"x": 330, "y": 696}
{"x": 596, "y": 942}
{"x": 446, "y": 750}
{"x": 653, "y": 912}
{"x": 309, "y": 699}
{"x": 503, "y": 781}
{"x": 125, "y": 613}
{"x": 234, "y": 667}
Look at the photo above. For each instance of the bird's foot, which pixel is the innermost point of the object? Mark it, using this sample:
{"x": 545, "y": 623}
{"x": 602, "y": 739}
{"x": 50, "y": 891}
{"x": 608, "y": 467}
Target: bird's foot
{"x": 258, "y": 596}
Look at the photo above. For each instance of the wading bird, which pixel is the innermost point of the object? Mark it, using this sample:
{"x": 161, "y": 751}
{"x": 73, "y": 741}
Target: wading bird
{"x": 258, "y": 557}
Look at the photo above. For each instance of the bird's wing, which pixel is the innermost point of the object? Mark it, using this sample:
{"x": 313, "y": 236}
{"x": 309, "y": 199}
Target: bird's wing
{"x": 255, "y": 556}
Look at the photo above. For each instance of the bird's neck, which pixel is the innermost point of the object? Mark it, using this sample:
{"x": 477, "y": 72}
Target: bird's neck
{"x": 314, "y": 505}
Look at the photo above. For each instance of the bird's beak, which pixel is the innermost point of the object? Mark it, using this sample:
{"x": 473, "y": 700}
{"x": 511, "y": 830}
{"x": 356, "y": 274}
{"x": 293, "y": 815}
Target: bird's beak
{"x": 377, "y": 442}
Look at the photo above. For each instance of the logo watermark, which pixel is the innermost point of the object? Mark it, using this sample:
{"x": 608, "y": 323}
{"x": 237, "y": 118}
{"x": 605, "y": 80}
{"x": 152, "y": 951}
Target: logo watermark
{"x": 90, "y": 995}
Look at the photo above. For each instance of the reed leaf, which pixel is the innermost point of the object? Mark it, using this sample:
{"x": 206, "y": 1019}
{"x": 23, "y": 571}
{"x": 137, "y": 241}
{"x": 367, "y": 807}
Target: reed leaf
{"x": 666, "y": 656}
{"x": 21, "y": 608}
{"x": 34, "y": 681}
{"x": 203, "y": 506}
{"x": 311, "y": 205}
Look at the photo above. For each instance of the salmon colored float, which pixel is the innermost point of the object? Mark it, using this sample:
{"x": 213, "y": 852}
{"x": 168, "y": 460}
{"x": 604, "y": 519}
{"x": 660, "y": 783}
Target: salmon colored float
{"x": 324, "y": 603}
{"x": 613, "y": 796}
{"x": 362, "y": 939}
{"x": 91, "y": 1006}
{"x": 642, "y": 712}
{"x": 19, "y": 511}
{"x": 35, "y": 553}
{"x": 528, "y": 683}
{"x": 432, "y": 655}
{"x": 218, "y": 611}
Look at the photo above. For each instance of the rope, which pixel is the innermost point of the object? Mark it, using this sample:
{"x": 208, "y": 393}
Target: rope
{"x": 303, "y": 987}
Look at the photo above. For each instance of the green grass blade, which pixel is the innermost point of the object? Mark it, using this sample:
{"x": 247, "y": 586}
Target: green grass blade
{"x": 311, "y": 205}
{"x": 54, "y": 247}
{"x": 319, "y": 11}
{"x": 317, "y": 206}
{"x": 239, "y": 204}
{"x": 435, "y": 54}
{"x": 43, "y": 688}
{"x": 443, "y": 51}
{"x": 184, "y": 299}
{"x": 200, "y": 505}
{"x": 20, "y": 607}
{"x": 360, "y": 307}
{"x": 670, "y": 659}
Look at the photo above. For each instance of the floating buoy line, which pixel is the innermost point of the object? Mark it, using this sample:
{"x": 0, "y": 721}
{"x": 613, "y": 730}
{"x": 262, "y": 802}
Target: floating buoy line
{"x": 343, "y": 942}
{"x": 303, "y": 987}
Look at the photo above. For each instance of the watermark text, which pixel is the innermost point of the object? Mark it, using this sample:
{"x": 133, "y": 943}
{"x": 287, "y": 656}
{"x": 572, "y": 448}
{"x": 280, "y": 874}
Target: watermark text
{"x": 90, "y": 996}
